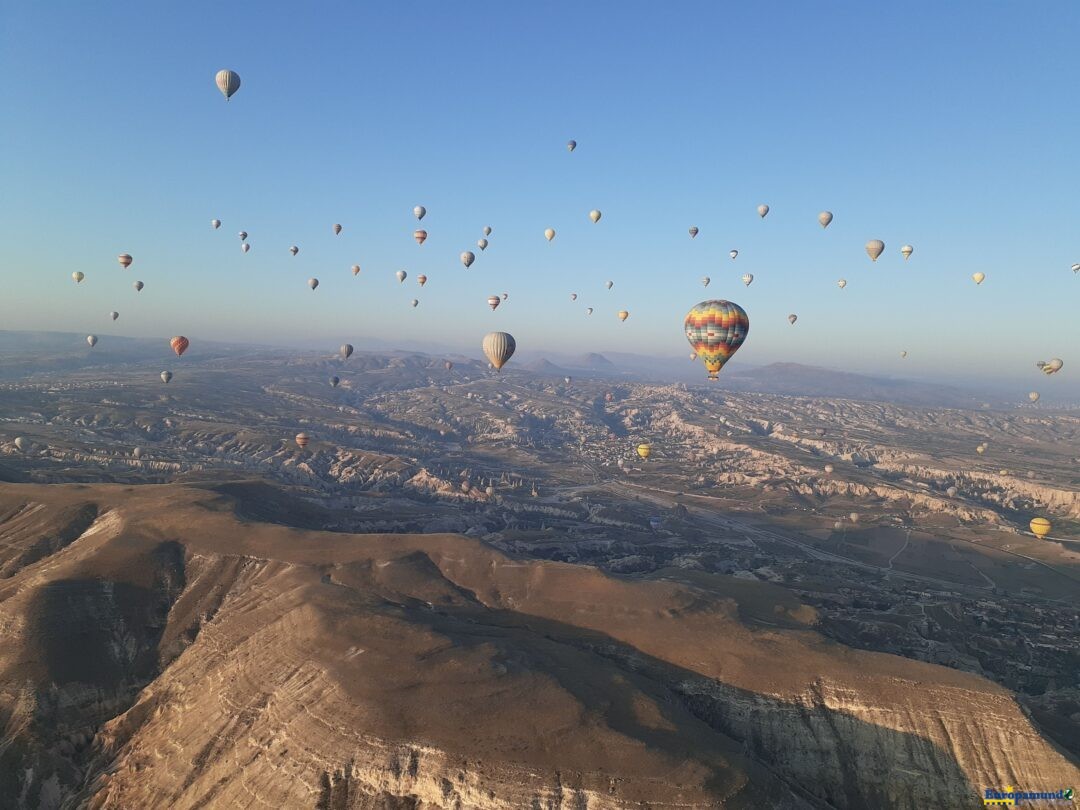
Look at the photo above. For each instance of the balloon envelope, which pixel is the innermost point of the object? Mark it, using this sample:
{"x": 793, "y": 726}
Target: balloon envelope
{"x": 179, "y": 344}
{"x": 215, "y": 223}
{"x": 482, "y": 244}
{"x": 494, "y": 301}
{"x": 644, "y": 450}
{"x": 1040, "y": 527}
{"x": 78, "y": 276}
{"x": 549, "y": 233}
{"x": 693, "y": 231}
{"x": 733, "y": 254}
{"x": 302, "y": 440}
{"x": 92, "y": 340}
{"x": 705, "y": 281}
{"x": 125, "y": 260}
{"x": 227, "y": 82}
{"x": 356, "y": 269}
{"x": 748, "y": 279}
{"x": 114, "y": 315}
{"x": 498, "y": 348}
{"x": 874, "y": 248}
{"x": 419, "y": 212}
{"x": 401, "y": 275}
{"x": 337, "y": 229}
{"x": 623, "y": 314}
{"x": 421, "y": 279}
{"x": 762, "y": 210}
{"x": 166, "y": 376}
{"x": 294, "y": 250}
{"x": 595, "y": 215}
{"x": 420, "y": 236}
{"x": 907, "y": 250}
{"x": 138, "y": 285}
{"x": 467, "y": 258}
{"x": 841, "y": 283}
{"x": 313, "y": 283}
{"x": 715, "y": 330}
{"x": 792, "y": 318}
{"x": 978, "y": 278}
{"x": 571, "y": 146}
{"x": 825, "y": 217}
{"x": 346, "y": 350}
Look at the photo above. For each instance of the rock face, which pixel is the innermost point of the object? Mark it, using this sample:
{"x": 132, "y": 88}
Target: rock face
{"x": 169, "y": 652}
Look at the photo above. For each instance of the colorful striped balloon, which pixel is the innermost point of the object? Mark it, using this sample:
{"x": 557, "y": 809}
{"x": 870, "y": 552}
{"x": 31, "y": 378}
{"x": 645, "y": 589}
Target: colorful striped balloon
{"x": 716, "y": 329}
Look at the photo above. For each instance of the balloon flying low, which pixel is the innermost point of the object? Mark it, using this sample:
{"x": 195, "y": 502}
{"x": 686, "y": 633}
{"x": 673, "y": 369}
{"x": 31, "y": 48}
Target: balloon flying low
{"x": 125, "y": 260}
{"x": 346, "y": 351}
{"x": 748, "y": 279}
{"x": 874, "y": 248}
{"x": 166, "y": 376}
{"x": 498, "y": 348}
{"x": 825, "y": 217}
{"x": 715, "y": 330}
{"x": 179, "y": 344}
{"x": 1040, "y": 527}
{"x": 334, "y": 381}
{"x": 951, "y": 492}
{"x": 1034, "y": 396}
{"x": 448, "y": 365}
{"x": 1053, "y": 367}
{"x": 829, "y": 469}
{"x": 92, "y": 340}
{"x": 644, "y": 451}
{"x": 227, "y": 82}
{"x": 302, "y": 440}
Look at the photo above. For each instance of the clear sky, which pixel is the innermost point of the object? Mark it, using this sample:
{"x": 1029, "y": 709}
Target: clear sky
{"x": 949, "y": 126}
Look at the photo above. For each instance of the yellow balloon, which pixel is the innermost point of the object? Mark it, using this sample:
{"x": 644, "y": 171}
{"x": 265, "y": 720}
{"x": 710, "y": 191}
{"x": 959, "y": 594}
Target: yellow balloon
{"x": 644, "y": 450}
{"x": 1040, "y": 526}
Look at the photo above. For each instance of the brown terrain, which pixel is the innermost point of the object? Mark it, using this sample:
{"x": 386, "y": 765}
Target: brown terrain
{"x": 163, "y": 647}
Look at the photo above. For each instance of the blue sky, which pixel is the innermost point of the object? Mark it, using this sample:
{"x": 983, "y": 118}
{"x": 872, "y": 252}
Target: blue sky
{"x": 948, "y": 126}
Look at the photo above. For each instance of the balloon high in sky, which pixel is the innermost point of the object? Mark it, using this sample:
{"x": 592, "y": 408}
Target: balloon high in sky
{"x": 318, "y": 132}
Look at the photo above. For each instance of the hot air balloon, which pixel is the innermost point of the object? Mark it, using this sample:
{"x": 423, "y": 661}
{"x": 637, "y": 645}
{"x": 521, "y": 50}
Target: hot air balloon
{"x": 78, "y": 276}
{"x": 421, "y": 279}
{"x": 415, "y": 302}
{"x": 22, "y": 444}
{"x": 792, "y": 318}
{"x": 137, "y": 452}
{"x": 951, "y": 492}
{"x": 419, "y": 212}
{"x": 748, "y": 279}
{"x": 166, "y": 376}
{"x": 401, "y": 276}
{"x": 114, "y": 315}
{"x": 573, "y": 296}
{"x": 693, "y": 356}
{"x": 874, "y": 248}
{"x": 294, "y": 250}
{"x": 693, "y": 231}
{"x": 467, "y": 258}
{"x": 907, "y": 250}
{"x": 505, "y": 296}
{"x": 313, "y": 283}
{"x": 498, "y": 348}
{"x": 245, "y": 247}
{"x": 903, "y": 355}
{"x": 595, "y": 215}
{"x": 1040, "y": 527}
{"x": 487, "y": 230}
{"x": 493, "y": 302}
{"x": 346, "y": 351}
{"x": 588, "y": 310}
{"x": 567, "y": 380}
{"x": 623, "y": 314}
{"x": 419, "y": 235}
{"x": 705, "y": 281}
{"x": 841, "y": 283}
{"x": 980, "y": 449}
{"x": 179, "y": 344}
{"x": 448, "y": 365}
{"x": 829, "y": 469}
{"x": 92, "y": 340}
{"x": 227, "y": 82}
{"x": 825, "y": 217}
{"x": 1076, "y": 268}
{"x": 716, "y": 329}
{"x": 125, "y": 260}
{"x": 302, "y": 440}
{"x": 610, "y": 284}
{"x": 215, "y": 223}
{"x": 854, "y": 516}
{"x": 571, "y": 146}
{"x": 1053, "y": 367}
{"x": 482, "y": 244}
{"x": 243, "y": 236}
{"x": 549, "y": 233}
{"x": 978, "y": 278}
{"x": 762, "y": 210}
{"x": 1034, "y": 396}
{"x": 138, "y": 285}
{"x": 356, "y": 269}
{"x": 337, "y": 229}
{"x": 655, "y": 523}
{"x": 644, "y": 451}
{"x": 733, "y": 254}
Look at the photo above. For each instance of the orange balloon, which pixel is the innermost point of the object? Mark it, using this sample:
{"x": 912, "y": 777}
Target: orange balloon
{"x": 179, "y": 344}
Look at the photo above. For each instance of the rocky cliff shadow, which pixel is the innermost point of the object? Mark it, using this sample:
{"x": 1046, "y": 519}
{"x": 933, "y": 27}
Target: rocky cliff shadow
{"x": 829, "y": 758}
